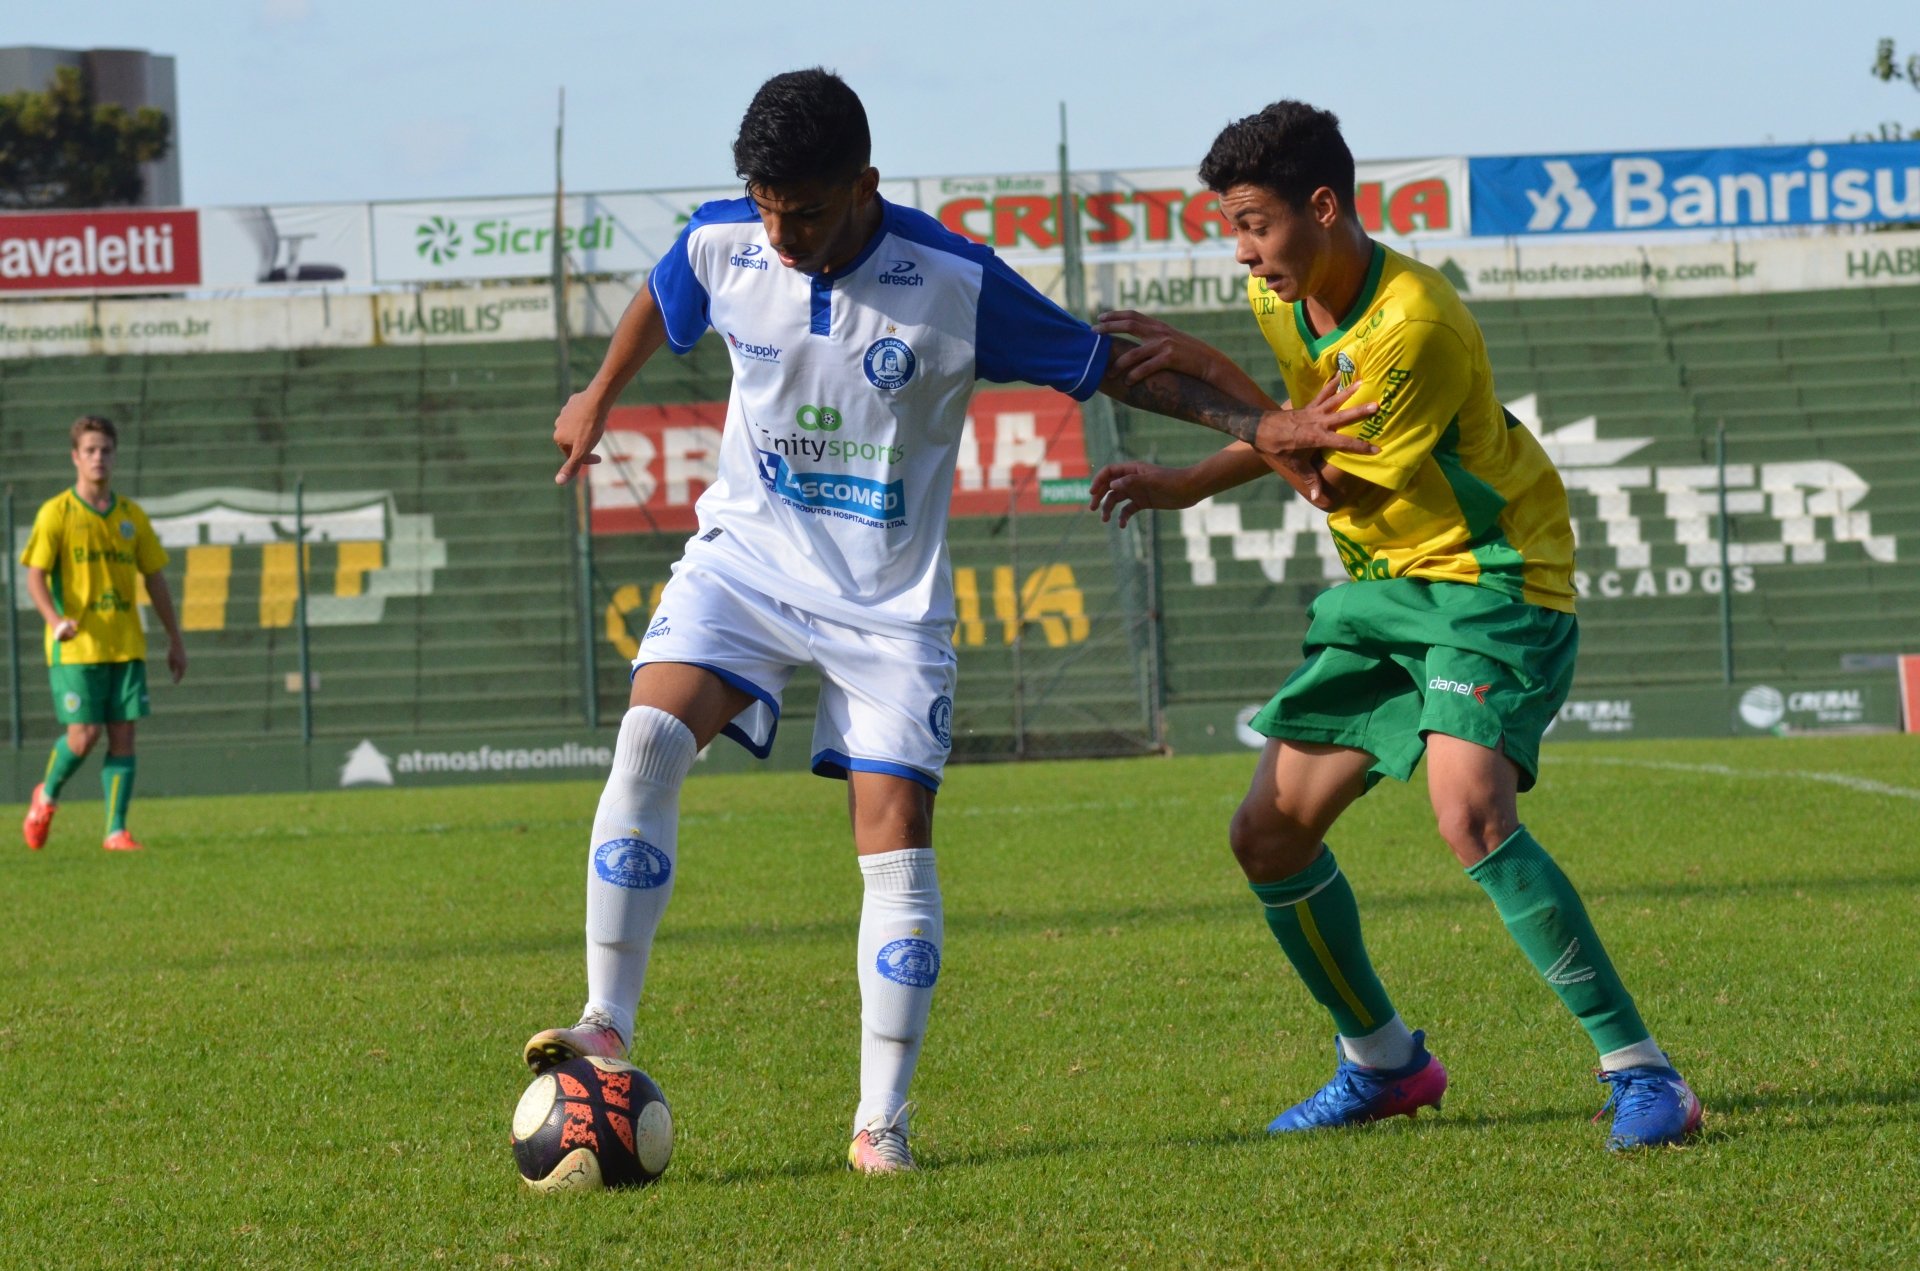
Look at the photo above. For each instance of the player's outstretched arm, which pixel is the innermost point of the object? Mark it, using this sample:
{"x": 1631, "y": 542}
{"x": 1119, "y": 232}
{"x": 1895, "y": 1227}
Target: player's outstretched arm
{"x": 1280, "y": 431}
{"x": 162, "y": 598}
{"x": 577, "y": 429}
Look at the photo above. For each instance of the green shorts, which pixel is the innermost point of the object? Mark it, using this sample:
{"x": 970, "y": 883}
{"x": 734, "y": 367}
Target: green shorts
{"x": 99, "y": 692}
{"x": 1392, "y": 660}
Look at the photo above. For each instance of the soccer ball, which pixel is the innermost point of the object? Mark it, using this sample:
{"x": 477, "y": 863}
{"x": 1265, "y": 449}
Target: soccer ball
{"x": 591, "y": 1123}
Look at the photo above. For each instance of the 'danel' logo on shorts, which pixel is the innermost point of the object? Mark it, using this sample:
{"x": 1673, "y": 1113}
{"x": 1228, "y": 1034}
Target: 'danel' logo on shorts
{"x": 940, "y": 719}
{"x": 633, "y": 863}
{"x": 910, "y": 961}
{"x": 1478, "y": 692}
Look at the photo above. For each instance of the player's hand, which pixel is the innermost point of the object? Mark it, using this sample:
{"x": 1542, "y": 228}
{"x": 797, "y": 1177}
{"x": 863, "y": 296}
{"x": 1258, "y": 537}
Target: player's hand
{"x": 1128, "y": 488}
{"x": 1160, "y": 348}
{"x": 65, "y": 629}
{"x": 177, "y": 660}
{"x": 576, "y": 431}
{"x": 1302, "y": 472}
{"x": 1316, "y": 426}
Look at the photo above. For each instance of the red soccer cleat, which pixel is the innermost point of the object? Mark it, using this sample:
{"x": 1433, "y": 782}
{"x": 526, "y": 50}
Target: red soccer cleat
{"x": 121, "y": 841}
{"x": 39, "y": 818}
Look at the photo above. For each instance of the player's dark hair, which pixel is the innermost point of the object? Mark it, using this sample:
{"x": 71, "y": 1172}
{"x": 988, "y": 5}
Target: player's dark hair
{"x": 1290, "y": 148}
{"x": 94, "y": 423}
{"x": 802, "y": 127}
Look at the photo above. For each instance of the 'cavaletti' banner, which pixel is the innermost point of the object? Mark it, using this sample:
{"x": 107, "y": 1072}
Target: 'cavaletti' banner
{"x": 656, "y": 460}
{"x": 215, "y": 249}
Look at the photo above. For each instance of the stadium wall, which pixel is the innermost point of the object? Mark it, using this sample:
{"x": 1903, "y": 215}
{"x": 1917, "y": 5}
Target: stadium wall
{"x": 445, "y": 620}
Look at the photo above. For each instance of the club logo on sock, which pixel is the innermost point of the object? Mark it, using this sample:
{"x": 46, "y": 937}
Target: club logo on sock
{"x": 633, "y": 863}
{"x": 914, "y": 963}
{"x": 1564, "y": 972}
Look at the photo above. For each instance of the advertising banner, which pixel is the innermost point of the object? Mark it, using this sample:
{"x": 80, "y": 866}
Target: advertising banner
{"x": 310, "y": 245}
{"x": 656, "y": 460}
{"x": 78, "y": 251}
{"x": 1166, "y": 211}
{"x": 1523, "y": 268}
{"x": 1847, "y": 183}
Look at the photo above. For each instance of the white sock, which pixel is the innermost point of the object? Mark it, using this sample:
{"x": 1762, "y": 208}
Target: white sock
{"x": 1643, "y": 1054}
{"x": 900, "y": 941}
{"x": 632, "y": 859}
{"x": 1388, "y": 1046}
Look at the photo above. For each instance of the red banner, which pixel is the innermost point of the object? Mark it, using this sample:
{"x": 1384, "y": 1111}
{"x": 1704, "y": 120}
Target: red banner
{"x": 106, "y": 251}
{"x": 656, "y": 460}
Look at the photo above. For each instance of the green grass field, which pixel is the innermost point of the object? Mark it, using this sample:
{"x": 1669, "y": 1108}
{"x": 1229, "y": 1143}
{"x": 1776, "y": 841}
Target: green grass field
{"x": 288, "y": 1034}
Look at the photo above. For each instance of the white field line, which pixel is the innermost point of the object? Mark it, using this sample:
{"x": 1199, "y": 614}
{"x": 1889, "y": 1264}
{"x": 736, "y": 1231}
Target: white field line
{"x": 1861, "y": 784}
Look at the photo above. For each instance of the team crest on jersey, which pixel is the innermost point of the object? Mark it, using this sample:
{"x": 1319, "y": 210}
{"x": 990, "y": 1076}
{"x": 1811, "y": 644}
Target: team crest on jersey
{"x": 889, "y": 363}
{"x": 1345, "y": 367}
{"x": 914, "y": 963}
{"x": 126, "y": 530}
{"x": 940, "y": 719}
{"x": 632, "y": 863}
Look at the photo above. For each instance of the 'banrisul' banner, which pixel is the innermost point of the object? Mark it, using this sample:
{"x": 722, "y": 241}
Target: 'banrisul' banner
{"x": 1843, "y": 184}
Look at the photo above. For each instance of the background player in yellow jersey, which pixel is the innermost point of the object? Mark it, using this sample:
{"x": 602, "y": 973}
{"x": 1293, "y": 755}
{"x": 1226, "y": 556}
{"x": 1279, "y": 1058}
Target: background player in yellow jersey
{"x": 1456, "y": 637}
{"x": 85, "y": 559}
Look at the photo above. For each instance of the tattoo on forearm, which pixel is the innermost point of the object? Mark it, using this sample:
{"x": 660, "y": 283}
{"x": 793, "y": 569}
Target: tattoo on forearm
{"x": 1197, "y": 402}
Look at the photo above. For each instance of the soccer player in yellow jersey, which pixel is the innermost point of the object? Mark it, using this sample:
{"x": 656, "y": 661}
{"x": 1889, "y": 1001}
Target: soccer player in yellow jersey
{"x": 1455, "y": 638}
{"x": 85, "y": 559}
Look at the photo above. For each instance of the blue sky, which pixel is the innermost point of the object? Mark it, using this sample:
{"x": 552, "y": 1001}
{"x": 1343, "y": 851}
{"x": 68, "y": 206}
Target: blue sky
{"x": 324, "y": 100}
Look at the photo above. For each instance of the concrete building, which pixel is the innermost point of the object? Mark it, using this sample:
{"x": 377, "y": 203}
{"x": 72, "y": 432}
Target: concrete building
{"x": 125, "y": 77}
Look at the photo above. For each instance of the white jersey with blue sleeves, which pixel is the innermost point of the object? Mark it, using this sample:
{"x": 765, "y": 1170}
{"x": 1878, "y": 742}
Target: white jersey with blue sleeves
{"x": 849, "y": 394}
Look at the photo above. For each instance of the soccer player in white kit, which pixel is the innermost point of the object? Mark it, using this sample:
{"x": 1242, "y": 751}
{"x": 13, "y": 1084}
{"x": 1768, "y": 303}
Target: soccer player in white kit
{"x": 856, "y": 330}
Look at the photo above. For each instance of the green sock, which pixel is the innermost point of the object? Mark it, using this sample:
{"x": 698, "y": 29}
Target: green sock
{"x": 116, "y": 782}
{"x": 1313, "y": 916}
{"x": 63, "y": 763}
{"x": 1546, "y": 919}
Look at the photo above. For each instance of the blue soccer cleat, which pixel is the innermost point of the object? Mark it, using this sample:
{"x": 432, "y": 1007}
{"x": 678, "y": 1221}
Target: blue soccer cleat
{"x": 1652, "y": 1107}
{"x": 1358, "y": 1095}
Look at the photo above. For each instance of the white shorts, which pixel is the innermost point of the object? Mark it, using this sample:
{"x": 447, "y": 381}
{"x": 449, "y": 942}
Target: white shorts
{"x": 886, "y": 702}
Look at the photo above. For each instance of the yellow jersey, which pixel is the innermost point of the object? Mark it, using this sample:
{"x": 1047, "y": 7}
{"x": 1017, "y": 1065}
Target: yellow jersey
{"x": 95, "y": 562}
{"x": 1469, "y": 495}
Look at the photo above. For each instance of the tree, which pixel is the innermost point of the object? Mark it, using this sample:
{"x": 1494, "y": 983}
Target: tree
{"x": 60, "y": 148}
{"x": 1888, "y": 67}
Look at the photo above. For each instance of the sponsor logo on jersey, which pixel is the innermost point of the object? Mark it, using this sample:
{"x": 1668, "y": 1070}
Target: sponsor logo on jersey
{"x": 1478, "y": 692}
{"x": 940, "y": 719}
{"x": 758, "y": 352}
{"x": 876, "y": 503}
{"x": 823, "y": 448}
{"x": 712, "y": 534}
{"x": 910, "y": 961}
{"x": 1389, "y": 402}
{"x": 889, "y": 363}
{"x": 1344, "y": 365}
{"x": 904, "y": 273}
{"x": 818, "y": 418}
{"x": 747, "y": 256}
{"x": 633, "y": 863}
{"x": 659, "y": 628}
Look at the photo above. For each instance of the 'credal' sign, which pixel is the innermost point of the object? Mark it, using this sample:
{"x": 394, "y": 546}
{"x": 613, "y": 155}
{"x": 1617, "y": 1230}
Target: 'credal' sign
{"x": 656, "y": 460}
{"x": 65, "y": 251}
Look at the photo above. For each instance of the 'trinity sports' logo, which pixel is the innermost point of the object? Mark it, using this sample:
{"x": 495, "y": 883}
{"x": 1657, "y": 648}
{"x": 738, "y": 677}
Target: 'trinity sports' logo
{"x": 438, "y": 240}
